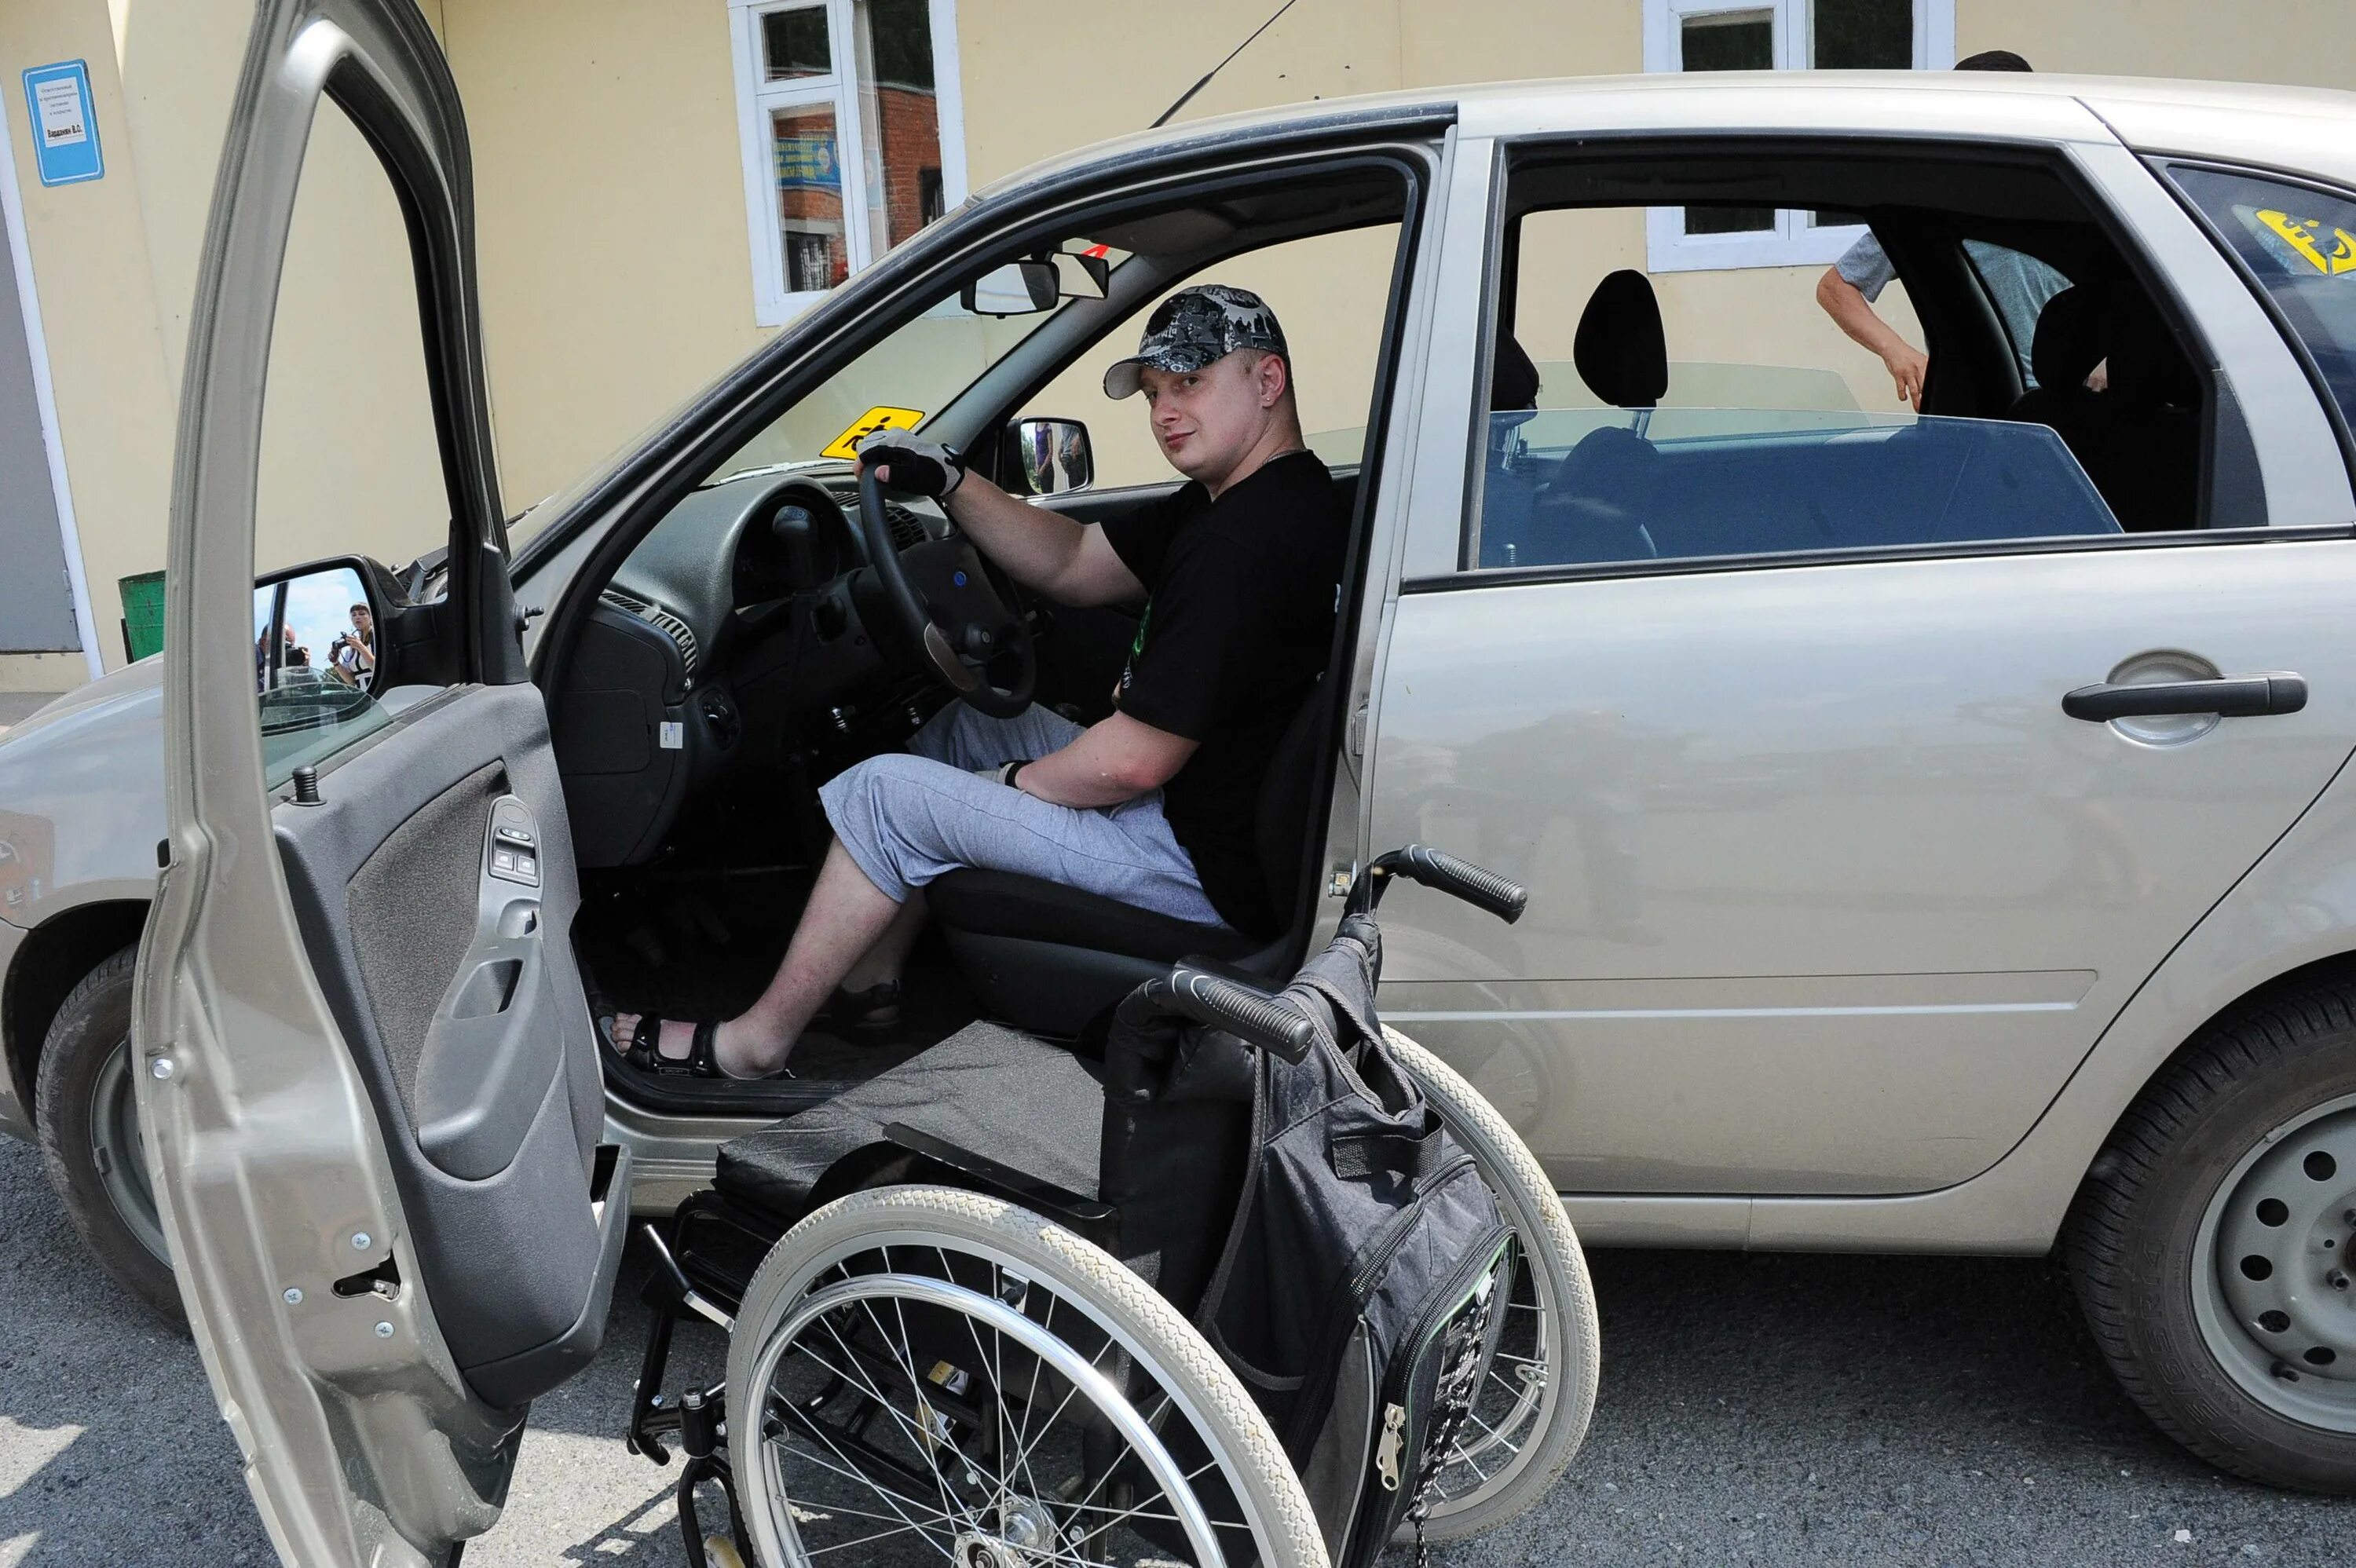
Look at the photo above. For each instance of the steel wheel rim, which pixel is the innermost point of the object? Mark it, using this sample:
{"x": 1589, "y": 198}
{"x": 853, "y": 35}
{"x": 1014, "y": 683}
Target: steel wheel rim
{"x": 776, "y": 1527}
{"x": 118, "y": 1151}
{"x": 2271, "y": 1237}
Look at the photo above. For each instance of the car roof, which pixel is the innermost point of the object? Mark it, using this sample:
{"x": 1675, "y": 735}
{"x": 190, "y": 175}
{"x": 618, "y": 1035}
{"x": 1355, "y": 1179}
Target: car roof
{"x": 2302, "y": 129}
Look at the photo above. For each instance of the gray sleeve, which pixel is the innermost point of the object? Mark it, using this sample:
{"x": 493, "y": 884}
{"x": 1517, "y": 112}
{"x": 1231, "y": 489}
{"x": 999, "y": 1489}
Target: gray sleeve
{"x": 1867, "y": 267}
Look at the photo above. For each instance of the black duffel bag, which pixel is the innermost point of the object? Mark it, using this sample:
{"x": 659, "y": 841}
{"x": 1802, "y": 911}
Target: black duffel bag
{"x": 1357, "y": 1292}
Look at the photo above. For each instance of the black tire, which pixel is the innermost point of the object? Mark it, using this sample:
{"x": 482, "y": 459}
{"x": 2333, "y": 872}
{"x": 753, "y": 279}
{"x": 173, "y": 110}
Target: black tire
{"x": 2193, "y": 1239}
{"x": 79, "y": 1107}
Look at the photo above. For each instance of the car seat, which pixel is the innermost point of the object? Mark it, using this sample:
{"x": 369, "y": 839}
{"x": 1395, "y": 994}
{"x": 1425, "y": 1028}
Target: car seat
{"x": 1593, "y": 508}
{"x": 2138, "y": 439}
{"x": 1048, "y": 957}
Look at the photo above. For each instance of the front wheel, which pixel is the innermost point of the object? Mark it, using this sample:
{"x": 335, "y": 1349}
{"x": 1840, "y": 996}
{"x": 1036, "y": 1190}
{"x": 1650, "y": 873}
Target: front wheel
{"x": 2209, "y": 1246}
{"x": 918, "y": 1373}
{"x": 1535, "y": 1400}
{"x": 86, "y": 1108}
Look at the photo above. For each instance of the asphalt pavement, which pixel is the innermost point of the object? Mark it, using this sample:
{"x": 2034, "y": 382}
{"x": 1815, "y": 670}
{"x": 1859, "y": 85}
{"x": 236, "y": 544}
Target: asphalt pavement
{"x": 1773, "y": 1410}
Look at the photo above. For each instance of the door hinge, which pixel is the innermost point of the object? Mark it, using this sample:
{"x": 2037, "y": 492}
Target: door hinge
{"x": 1358, "y": 731}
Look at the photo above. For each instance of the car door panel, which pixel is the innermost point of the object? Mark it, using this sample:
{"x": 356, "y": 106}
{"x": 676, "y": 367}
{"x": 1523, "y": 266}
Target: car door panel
{"x": 459, "y": 997}
{"x": 370, "y": 1086}
{"x": 1829, "y": 894}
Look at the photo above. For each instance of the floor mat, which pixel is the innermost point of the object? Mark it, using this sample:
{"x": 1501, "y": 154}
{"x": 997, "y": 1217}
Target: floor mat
{"x": 705, "y": 946}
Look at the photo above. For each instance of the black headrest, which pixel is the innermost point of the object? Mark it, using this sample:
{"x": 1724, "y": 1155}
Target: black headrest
{"x": 1620, "y": 351}
{"x": 2066, "y": 348}
{"x": 1513, "y": 379}
{"x": 2146, "y": 365}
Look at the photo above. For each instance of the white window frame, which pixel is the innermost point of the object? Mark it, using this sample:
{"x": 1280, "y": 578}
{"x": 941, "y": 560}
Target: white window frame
{"x": 774, "y": 304}
{"x": 1793, "y": 242}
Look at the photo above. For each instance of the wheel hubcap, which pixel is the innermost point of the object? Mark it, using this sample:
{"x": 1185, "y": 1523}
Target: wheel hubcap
{"x": 2277, "y": 1283}
{"x": 118, "y": 1151}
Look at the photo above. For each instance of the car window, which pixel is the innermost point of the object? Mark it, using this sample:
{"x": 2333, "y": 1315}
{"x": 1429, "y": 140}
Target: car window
{"x": 1329, "y": 290}
{"x": 2298, "y": 244}
{"x": 351, "y": 460}
{"x": 1637, "y": 415}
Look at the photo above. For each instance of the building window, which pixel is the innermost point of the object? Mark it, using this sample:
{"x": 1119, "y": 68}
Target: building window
{"x": 1780, "y": 35}
{"x": 853, "y": 137}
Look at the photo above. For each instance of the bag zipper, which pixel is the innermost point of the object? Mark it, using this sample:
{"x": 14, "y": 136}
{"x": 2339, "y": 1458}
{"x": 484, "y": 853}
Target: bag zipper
{"x": 1389, "y": 1447}
{"x": 1349, "y": 1294}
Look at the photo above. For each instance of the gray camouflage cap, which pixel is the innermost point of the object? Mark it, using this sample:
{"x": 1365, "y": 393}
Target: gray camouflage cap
{"x": 1194, "y": 327}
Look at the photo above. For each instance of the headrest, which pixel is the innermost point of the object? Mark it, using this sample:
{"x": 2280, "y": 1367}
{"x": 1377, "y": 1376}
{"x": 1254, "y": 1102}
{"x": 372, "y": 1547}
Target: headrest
{"x": 2146, "y": 365}
{"x": 1513, "y": 379}
{"x": 2066, "y": 349}
{"x": 1620, "y": 351}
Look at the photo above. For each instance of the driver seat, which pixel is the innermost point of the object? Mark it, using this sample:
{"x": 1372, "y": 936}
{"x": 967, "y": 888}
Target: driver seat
{"x": 1047, "y": 958}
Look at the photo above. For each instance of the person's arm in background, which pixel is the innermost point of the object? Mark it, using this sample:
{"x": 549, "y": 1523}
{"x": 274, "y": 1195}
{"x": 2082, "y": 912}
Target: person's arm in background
{"x": 1854, "y": 314}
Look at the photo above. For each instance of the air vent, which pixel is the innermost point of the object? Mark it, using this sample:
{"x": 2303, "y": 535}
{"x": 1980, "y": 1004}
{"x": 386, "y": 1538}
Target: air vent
{"x": 662, "y": 621}
{"x": 907, "y": 528}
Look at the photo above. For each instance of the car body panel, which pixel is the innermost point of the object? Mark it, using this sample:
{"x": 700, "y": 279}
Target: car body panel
{"x": 1837, "y": 896}
{"x": 2014, "y": 1205}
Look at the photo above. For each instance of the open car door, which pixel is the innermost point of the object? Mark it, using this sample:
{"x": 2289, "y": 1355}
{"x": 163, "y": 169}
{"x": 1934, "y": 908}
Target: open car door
{"x": 367, "y": 1070}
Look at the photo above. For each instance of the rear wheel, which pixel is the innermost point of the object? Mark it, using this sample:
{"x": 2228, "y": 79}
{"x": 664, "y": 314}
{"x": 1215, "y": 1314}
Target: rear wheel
{"x": 86, "y": 1108}
{"x": 1531, "y": 1412}
{"x": 2210, "y": 1247}
{"x": 917, "y": 1373}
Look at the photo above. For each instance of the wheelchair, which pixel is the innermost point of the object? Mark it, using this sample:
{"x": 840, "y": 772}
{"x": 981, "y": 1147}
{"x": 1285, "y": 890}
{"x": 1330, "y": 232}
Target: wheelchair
{"x": 958, "y": 1305}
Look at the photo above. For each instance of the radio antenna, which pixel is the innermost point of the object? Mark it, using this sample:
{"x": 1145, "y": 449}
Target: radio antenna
{"x": 1188, "y": 96}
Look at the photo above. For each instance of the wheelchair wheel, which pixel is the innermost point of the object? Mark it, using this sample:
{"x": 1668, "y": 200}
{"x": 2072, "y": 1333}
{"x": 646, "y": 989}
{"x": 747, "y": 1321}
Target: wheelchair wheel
{"x": 1538, "y": 1391}
{"x": 920, "y": 1372}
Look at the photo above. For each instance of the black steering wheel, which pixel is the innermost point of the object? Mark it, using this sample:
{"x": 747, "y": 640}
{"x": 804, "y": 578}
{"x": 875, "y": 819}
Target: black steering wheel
{"x": 943, "y": 597}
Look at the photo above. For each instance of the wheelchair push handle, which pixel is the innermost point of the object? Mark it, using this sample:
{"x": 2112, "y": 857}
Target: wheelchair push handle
{"x": 1252, "y": 1015}
{"x": 1484, "y": 890}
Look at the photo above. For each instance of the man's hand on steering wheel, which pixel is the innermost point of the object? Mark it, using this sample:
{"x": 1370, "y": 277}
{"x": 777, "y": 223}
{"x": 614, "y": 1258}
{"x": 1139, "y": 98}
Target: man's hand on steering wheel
{"x": 911, "y": 464}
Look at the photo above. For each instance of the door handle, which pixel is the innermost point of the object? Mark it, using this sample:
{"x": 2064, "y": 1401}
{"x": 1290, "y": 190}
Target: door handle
{"x": 2228, "y": 697}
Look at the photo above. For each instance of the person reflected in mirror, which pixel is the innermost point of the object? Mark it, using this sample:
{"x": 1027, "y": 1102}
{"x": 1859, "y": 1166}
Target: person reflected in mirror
{"x": 352, "y": 659}
{"x": 1239, "y": 573}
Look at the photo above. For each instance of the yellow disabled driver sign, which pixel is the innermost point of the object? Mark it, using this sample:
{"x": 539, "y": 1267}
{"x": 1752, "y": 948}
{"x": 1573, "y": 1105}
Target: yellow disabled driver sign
{"x": 846, "y": 446}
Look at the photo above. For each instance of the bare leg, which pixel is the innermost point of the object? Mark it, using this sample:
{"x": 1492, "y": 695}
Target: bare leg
{"x": 889, "y": 957}
{"x": 846, "y": 916}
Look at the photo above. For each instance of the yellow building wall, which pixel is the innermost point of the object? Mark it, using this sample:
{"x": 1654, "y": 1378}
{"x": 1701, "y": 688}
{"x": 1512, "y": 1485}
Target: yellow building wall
{"x": 615, "y": 266}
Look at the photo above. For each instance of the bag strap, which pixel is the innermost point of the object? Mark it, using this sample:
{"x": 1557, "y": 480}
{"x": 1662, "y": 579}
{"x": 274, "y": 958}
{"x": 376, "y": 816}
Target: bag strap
{"x": 1411, "y": 1156}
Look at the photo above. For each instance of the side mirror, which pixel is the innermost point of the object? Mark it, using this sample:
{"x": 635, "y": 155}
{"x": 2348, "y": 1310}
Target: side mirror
{"x": 1022, "y": 288}
{"x": 1050, "y": 457}
{"x": 325, "y": 649}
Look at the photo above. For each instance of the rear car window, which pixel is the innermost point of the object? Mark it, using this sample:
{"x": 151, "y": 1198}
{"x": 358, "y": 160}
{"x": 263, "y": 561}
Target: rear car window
{"x": 2298, "y": 245}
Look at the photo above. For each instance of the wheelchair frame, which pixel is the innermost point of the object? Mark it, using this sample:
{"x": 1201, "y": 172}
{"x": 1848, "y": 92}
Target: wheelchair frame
{"x": 717, "y": 1241}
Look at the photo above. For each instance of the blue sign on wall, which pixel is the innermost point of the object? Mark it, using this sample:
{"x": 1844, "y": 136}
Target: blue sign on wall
{"x": 65, "y": 122}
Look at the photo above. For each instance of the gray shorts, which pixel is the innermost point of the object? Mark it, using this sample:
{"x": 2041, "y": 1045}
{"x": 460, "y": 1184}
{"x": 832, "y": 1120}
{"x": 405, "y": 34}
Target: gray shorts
{"x": 905, "y": 818}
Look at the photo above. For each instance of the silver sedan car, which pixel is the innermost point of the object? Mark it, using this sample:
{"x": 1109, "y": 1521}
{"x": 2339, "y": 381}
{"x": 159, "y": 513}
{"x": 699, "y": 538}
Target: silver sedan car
{"x": 1934, "y": 818}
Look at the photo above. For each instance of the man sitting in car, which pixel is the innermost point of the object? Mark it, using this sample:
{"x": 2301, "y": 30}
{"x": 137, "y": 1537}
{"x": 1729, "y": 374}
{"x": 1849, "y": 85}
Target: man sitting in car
{"x": 1240, "y": 570}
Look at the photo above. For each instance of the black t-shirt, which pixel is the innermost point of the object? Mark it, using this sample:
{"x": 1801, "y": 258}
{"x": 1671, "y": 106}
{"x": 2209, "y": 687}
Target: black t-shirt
{"x": 1239, "y": 626}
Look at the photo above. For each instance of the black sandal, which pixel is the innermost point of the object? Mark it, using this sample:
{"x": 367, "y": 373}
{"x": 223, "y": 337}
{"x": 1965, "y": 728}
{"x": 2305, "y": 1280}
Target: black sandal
{"x": 645, "y": 1050}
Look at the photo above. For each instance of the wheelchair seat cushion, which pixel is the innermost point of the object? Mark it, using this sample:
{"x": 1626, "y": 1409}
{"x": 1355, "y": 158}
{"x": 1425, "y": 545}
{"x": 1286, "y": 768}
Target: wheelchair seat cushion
{"x": 1007, "y": 903}
{"x": 990, "y": 1090}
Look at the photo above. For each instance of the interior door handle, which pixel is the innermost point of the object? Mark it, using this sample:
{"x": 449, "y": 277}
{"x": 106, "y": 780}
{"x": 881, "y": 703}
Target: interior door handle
{"x": 2228, "y": 697}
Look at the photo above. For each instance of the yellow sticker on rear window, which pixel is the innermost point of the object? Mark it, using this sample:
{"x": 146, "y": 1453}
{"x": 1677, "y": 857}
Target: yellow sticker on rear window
{"x": 846, "y": 446}
{"x": 2327, "y": 248}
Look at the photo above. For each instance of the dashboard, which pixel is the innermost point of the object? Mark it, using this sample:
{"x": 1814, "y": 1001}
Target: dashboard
{"x": 744, "y": 606}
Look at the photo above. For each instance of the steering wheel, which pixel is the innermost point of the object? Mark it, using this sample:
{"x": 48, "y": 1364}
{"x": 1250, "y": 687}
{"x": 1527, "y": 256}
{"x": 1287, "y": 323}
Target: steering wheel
{"x": 943, "y": 598}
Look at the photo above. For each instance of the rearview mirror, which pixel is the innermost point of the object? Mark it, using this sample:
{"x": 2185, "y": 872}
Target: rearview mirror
{"x": 1050, "y": 457}
{"x": 1024, "y": 288}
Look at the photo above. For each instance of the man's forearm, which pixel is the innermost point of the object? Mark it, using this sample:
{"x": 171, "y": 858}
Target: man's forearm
{"x": 1114, "y": 761}
{"x": 1036, "y": 546}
